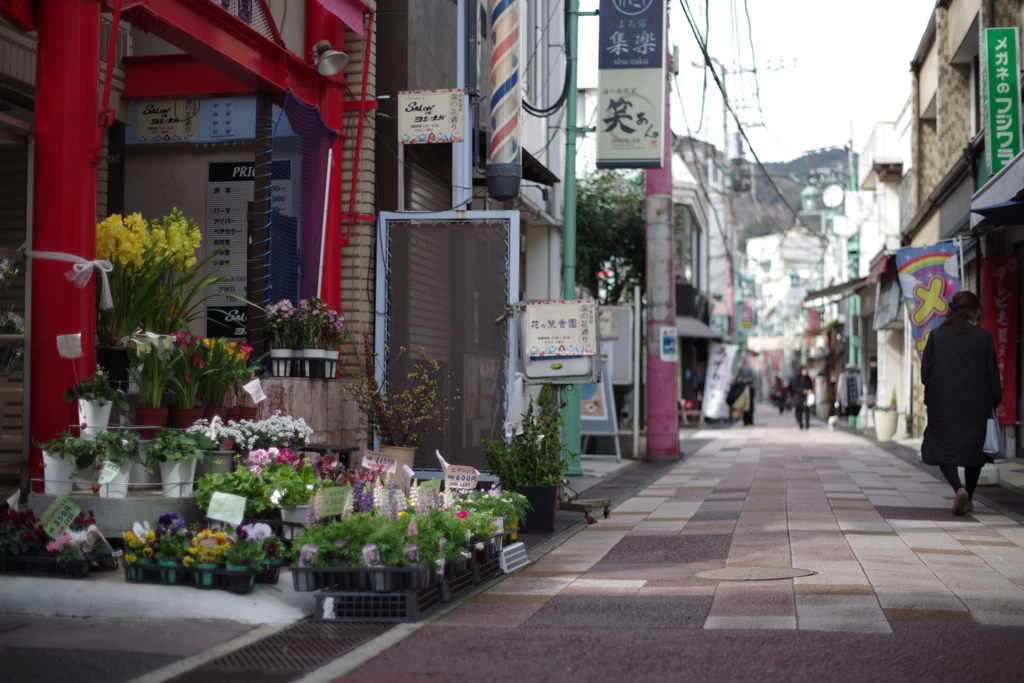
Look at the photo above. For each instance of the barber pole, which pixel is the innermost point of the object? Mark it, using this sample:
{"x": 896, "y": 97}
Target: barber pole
{"x": 504, "y": 165}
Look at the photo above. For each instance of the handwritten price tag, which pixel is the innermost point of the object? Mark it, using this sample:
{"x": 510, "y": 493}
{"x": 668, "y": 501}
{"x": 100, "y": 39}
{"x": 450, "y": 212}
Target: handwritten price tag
{"x": 226, "y": 507}
{"x": 107, "y": 473}
{"x": 59, "y": 516}
{"x": 429, "y": 485}
{"x": 379, "y": 461}
{"x": 255, "y": 389}
{"x": 460, "y": 477}
{"x": 69, "y": 346}
{"x": 333, "y": 500}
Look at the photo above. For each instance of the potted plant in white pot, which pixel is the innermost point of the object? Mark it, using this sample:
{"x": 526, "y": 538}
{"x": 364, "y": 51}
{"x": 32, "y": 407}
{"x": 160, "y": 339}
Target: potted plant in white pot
{"x": 284, "y": 330}
{"x": 111, "y": 456}
{"x": 151, "y": 356}
{"x": 95, "y": 398}
{"x": 59, "y": 457}
{"x": 885, "y": 420}
{"x": 177, "y": 453}
{"x": 532, "y": 462}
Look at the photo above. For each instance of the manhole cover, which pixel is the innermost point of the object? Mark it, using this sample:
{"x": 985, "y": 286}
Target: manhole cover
{"x": 751, "y": 573}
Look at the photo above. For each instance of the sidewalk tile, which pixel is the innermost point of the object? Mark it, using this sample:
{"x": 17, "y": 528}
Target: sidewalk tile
{"x": 847, "y": 625}
{"x": 760, "y": 622}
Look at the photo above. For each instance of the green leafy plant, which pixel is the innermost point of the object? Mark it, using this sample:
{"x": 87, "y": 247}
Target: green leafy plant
{"x": 534, "y": 456}
{"x": 117, "y": 448}
{"x": 151, "y": 356}
{"x": 186, "y": 368}
{"x": 171, "y": 444}
{"x": 400, "y": 417}
{"x": 242, "y": 482}
{"x": 295, "y": 486}
{"x": 96, "y": 388}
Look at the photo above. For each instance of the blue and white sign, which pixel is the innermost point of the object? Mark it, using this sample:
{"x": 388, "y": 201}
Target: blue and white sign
{"x": 669, "y": 349}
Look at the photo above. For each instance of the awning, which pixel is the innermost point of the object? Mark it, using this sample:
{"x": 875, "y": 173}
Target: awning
{"x": 1004, "y": 213}
{"x": 831, "y": 295}
{"x": 689, "y": 327}
{"x": 888, "y": 304}
{"x": 349, "y": 11}
{"x": 879, "y": 265}
{"x": 536, "y": 172}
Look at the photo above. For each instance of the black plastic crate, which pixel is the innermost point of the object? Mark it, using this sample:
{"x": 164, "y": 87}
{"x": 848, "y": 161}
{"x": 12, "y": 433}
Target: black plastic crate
{"x": 487, "y": 570}
{"x": 49, "y": 566}
{"x": 205, "y": 579}
{"x": 364, "y": 606}
{"x": 372, "y": 579}
{"x": 457, "y": 584}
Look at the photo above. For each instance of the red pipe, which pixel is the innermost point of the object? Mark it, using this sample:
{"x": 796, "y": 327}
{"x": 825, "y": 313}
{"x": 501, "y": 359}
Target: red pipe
{"x": 322, "y": 25}
{"x": 106, "y": 113}
{"x": 64, "y": 205}
{"x": 362, "y": 118}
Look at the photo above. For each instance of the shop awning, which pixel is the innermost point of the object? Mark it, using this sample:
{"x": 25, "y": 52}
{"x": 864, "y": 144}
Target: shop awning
{"x": 349, "y": 11}
{"x": 1004, "y": 213}
{"x": 831, "y": 295}
{"x": 689, "y": 327}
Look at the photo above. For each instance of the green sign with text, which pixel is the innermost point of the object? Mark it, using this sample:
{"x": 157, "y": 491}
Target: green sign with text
{"x": 1001, "y": 97}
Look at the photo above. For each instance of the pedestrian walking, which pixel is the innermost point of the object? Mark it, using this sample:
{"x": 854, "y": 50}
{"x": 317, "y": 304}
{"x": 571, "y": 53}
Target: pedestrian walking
{"x": 799, "y": 388}
{"x": 749, "y": 379}
{"x": 961, "y": 391}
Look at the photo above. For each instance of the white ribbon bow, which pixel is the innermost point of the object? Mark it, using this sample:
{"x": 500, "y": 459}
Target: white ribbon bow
{"x": 81, "y": 272}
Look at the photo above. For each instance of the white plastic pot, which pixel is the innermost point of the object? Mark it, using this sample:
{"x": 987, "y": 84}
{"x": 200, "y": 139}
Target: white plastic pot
{"x": 56, "y": 475}
{"x": 118, "y": 486}
{"x": 177, "y": 476}
{"x": 885, "y": 424}
{"x": 93, "y": 417}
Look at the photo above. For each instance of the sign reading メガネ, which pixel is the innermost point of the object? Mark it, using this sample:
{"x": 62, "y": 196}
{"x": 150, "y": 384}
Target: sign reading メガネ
{"x": 1001, "y": 96}
{"x": 427, "y": 116}
{"x": 561, "y": 328}
{"x": 631, "y": 84}
{"x": 167, "y": 120}
{"x": 59, "y": 516}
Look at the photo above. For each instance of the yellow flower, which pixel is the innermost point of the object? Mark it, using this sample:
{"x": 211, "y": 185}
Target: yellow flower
{"x": 151, "y": 536}
{"x": 129, "y": 537}
{"x": 130, "y": 559}
{"x": 147, "y": 552}
{"x": 193, "y": 551}
{"x": 187, "y": 561}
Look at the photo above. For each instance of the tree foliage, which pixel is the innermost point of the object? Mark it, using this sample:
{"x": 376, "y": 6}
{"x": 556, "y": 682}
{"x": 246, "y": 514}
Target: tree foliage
{"x": 610, "y": 237}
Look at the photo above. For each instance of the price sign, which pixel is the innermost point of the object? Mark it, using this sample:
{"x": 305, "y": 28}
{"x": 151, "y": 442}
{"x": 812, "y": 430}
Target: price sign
{"x": 255, "y": 389}
{"x": 69, "y": 345}
{"x": 226, "y": 507}
{"x": 108, "y": 472}
{"x": 460, "y": 477}
{"x": 430, "y": 485}
{"x": 333, "y": 500}
{"x": 379, "y": 461}
{"x": 513, "y": 428}
{"x": 59, "y": 516}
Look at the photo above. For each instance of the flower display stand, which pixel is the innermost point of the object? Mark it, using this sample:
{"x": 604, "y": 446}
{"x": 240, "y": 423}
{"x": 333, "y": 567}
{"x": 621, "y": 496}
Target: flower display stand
{"x": 202, "y": 577}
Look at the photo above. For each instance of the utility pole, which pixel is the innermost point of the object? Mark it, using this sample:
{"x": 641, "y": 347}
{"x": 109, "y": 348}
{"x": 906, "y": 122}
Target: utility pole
{"x": 662, "y": 382}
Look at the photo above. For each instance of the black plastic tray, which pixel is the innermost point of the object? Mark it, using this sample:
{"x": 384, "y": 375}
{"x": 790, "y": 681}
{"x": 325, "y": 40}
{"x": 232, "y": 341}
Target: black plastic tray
{"x": 364, "y": 606}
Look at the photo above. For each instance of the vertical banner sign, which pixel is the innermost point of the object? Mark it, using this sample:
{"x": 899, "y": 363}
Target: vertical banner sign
{"x": 1000, "y": 73}
{"x": 717, "y": 380}
{"x": 631, "y": 84}
{"x": 929, "y": 277}
{"x": 229, "y": 190}
{"x": 999, "y": 282}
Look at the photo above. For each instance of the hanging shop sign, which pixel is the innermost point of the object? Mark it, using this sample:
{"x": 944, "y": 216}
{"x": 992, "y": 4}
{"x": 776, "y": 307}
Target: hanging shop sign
{"x": 999, "y": 287}
{"x": 929, "y": 277}
{"x": 717, "y": 380}
{"x": 561, "y": 328}
{"x": 747, "y": 314}
{"x": 429, "y": 116}
{"x": 631, "y": 84}
{"x": 167, "y": 120}
{"x": 1000, "y": 71}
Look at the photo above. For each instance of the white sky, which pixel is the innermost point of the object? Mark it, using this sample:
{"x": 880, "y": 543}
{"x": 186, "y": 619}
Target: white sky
{"x": 852, "y": 65}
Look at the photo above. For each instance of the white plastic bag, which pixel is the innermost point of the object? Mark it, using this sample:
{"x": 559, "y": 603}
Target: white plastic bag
{"x": 993, "y": 438}
{"x": 810, "y": 399}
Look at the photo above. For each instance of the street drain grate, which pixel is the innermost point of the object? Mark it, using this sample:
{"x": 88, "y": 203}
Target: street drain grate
{"x": 287, "y": 654}
{"x": 751, "y": 573}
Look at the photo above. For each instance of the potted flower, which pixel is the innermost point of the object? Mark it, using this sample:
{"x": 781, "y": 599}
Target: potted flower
{"x": 285, "y": 335}
{"x": 247, "y": 410}
{"x": 177, "y": 452}
{"x": 246, "y": 554}
{"x": 207, "y": 551}
{"x": 885, "y": 419}
{"x": 277, "y": 431}
{"x": 95, "y": 398}
{"x": 171, "y": 544}
{"x": 21, "y": 535}
{"x": 241, "y": 372}
{"x": 532, "y": 461}
{"x": 59, "y": 456}
{"x": 333, "y": 334}
{"x": 186, "y": 371}
{"x": 138, "y": 546}
{"x": 400, "y": 417}
{"x": 220, "y": 358}
{"x": 150, "y": 356}
{"x": 112, "y": 459}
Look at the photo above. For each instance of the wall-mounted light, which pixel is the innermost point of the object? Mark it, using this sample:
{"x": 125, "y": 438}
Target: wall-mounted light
{"x": 327, "y": 60}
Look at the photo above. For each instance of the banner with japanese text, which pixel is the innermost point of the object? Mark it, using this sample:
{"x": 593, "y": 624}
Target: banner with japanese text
{"x": 1000, "y": 96}
{"x": 999, "y": 287}
{"x": 631, "y": 84}
{"x": 717, "y": 380}
{"x": 929, "y": 277}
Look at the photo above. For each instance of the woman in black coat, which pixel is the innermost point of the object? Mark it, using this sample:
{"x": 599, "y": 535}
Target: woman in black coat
{"x": 961, "y": 389}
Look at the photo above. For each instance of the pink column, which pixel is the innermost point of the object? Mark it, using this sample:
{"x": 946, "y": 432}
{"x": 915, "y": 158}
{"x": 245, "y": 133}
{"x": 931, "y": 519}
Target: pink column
{"x": 64, "y": 204}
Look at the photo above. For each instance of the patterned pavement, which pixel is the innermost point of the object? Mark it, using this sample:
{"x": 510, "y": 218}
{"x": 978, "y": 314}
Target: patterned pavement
{"x": 892, "y": 563}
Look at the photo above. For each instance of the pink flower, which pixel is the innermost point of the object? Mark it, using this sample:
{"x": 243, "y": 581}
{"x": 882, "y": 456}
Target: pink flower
{"x": 462, "y": 514}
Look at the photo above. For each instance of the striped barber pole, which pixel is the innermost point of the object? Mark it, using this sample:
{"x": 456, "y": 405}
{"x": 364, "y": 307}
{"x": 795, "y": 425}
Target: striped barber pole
{"x": 504, "y": 160}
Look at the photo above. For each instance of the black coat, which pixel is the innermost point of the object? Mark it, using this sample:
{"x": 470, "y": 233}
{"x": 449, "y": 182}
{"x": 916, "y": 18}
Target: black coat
{"x": 961, "y": 389}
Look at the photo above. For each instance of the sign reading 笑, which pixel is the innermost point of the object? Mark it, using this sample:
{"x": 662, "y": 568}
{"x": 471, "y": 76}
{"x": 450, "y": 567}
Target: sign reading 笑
{"x": 561, "y": 328}
{"x": 1000, "y": 72}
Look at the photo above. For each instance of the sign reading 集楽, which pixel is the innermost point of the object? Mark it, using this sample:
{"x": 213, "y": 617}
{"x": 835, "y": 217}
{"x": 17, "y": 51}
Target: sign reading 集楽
{"x": 561, "y": 328}
{"x": 429, "y": 116}
{"x": 1000, "y": 73}
{"x": 631, "y": 84}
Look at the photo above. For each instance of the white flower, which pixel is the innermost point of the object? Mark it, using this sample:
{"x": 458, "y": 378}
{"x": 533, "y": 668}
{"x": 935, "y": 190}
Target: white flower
{"x": 141, "y": 530}
{"x": 259, "y": 531}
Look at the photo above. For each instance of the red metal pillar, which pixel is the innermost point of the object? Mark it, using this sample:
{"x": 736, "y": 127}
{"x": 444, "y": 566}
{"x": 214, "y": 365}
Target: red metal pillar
{"x": 322, "y": 25}
{"x": 64, "y": 204}
{"x": 662, "y": 388}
